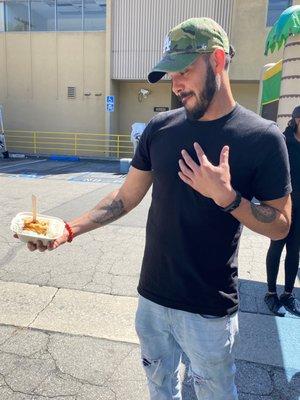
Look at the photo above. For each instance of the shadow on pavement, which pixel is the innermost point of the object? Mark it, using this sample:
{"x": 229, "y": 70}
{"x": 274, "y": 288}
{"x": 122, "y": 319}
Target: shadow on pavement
{"x": 44, "y": 167}
{"x": 268, "y": 352}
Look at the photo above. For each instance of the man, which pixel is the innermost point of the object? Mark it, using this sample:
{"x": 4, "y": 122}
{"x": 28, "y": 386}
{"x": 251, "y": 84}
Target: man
{"x": 188, "y": 286}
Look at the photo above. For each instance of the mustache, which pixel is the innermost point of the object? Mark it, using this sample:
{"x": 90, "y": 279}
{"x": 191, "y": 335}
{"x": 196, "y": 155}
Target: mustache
{"x": 182, "y": 95}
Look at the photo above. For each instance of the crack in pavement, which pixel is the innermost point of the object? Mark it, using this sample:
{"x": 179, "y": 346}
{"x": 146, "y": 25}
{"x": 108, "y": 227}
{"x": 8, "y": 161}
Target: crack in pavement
{"x": 93, "y": 277}
{"x": 11, "y": 254}
{"x": 28, "y": 326}
{"x": 11, "y": 336}
{"x": 119, "y": 363}
{"x": 82, "y": 381}
{"x": 39, "y": 396}
{"x": 34, "y": 392}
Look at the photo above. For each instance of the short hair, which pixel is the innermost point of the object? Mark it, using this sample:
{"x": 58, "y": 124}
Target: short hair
{"x": 228, "y": 57}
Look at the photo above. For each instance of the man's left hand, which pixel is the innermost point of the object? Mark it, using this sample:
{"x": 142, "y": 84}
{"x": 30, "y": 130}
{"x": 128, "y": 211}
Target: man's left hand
{"x": 207, "y": 179}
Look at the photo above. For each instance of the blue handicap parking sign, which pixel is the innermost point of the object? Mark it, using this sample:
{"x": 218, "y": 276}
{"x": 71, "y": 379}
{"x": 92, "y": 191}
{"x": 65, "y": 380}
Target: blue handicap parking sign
{"x": 110, "y": 103}
{"x": 110, "y": 107}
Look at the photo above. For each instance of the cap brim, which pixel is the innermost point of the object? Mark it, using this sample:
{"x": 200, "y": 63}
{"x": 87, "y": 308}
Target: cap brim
{"x": 171, "y": 63}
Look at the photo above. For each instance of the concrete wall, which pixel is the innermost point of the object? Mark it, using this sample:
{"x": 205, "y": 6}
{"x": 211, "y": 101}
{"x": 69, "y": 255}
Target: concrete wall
{"x": 37, "y": 68}
{"x": 131, "y": 110}
{"x": 133, "y": 54}
{"x": 246, "y": 94}
{"x": 35, "y": 71}
{"x": 249, "y": 32}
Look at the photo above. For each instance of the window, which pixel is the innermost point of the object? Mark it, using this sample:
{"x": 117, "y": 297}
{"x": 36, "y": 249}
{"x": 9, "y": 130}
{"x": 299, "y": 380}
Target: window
{"x": 51, "y": 15}
{"x": 42, "y": 15}
{"x": 1, "y": 17}
{"x": 275, "y": 8}
{"x": 69, "y": 15}
{"x": 94, "y": 15}
{"x": 17, "y": 15}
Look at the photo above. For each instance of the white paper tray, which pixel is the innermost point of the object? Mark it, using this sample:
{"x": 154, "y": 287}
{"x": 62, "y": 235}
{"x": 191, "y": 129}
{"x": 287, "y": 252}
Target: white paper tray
{"x": 56, "y": 228}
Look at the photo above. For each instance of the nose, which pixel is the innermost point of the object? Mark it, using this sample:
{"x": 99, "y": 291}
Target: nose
{"x": 177, "y": 83}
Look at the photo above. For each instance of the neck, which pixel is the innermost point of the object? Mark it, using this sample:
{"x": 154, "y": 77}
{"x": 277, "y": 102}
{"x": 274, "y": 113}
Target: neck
{"x": 222, "y": 104}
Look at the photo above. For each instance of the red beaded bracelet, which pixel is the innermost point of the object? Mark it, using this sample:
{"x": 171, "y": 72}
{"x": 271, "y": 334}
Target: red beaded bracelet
{"x": 70, "y": 231}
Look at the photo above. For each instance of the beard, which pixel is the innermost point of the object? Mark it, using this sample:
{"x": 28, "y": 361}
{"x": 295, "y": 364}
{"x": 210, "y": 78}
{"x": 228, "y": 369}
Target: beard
{"x": 204, "y": 98}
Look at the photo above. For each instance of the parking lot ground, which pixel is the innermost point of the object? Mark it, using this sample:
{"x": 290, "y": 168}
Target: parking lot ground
{"x": 67, "y": 317}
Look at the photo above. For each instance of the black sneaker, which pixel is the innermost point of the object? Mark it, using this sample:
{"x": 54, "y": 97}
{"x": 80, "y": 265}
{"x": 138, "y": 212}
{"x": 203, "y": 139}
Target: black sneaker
{"x": 291, "y": 304}
{"x": 274, "y": 304}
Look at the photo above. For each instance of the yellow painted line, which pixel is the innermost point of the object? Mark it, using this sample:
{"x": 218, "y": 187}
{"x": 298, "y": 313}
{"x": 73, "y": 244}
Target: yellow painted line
{"x": 273, "y": 70}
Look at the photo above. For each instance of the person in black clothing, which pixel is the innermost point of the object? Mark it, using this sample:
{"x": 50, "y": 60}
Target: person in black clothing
{"x": 201, "y": 196}
{"x": 292, "y": 242}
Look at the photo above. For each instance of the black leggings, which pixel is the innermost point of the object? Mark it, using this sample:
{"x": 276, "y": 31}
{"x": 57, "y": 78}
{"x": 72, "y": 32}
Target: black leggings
{"x": 292, "y": 243}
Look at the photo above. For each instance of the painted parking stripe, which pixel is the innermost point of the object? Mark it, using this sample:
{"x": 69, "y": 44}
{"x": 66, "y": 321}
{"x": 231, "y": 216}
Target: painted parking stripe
{"x": 96, "y": 178}
{"x": 28, "y": 176}
{"x": 17, "y": 165}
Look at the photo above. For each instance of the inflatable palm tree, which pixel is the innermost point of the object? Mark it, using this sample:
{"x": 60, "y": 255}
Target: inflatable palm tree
{"x": 286, "y": 32}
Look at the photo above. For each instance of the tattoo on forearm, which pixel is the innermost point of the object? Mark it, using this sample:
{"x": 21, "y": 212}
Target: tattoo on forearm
{"x": 263, "y": 213}
{"x": 103, "y": 214}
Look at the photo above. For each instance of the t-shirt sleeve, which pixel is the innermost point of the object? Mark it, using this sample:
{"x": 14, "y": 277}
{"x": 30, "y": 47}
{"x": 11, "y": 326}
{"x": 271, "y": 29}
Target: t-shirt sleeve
{"x": 141, "y": 159}
{"x": 272, "y": 176}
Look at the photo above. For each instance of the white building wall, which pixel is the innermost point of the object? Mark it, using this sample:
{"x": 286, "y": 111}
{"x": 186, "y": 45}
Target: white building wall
{"x": 139, "y": 26}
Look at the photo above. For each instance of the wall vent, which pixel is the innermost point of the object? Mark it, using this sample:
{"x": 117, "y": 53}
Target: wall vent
{"x": 71, "y": 92}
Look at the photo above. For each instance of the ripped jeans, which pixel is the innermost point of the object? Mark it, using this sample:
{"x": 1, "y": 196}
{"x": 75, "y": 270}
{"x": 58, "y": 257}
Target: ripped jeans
{"x": 166, "y": 333}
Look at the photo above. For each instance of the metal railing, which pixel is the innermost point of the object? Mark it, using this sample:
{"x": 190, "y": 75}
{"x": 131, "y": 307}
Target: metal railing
{"x": 69, "y": 143}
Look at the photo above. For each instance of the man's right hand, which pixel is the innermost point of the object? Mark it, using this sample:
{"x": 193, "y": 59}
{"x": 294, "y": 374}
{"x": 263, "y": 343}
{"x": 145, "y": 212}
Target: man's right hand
{"x": 50, "y": 246}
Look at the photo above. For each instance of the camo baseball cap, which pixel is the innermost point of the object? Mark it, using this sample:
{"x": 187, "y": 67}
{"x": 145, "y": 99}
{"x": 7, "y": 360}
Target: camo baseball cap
{"x": 185, "y": 42}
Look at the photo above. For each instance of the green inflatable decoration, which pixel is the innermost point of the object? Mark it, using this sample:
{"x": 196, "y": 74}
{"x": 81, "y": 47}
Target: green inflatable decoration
{"x": 288, "y": 24}
{"x": 277, "y": 101}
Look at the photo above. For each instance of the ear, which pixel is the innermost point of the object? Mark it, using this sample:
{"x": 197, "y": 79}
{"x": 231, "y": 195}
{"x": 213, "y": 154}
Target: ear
{"x": 219, "y": 60}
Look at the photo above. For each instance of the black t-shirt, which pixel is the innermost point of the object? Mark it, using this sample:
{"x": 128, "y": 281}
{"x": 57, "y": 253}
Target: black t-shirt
{"x": 190, "y": 259}
{"x": 293, "y": 146}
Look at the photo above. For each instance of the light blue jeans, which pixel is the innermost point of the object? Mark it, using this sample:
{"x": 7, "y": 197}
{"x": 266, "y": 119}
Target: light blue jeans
{"x": 165, "y": 333}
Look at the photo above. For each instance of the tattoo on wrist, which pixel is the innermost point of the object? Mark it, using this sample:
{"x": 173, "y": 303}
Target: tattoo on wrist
{"x": 263, "y": 213}
{"x": 105, "y": 213}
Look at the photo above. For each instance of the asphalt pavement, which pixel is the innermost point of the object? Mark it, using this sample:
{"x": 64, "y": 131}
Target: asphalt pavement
{"x": 67, "y": 317}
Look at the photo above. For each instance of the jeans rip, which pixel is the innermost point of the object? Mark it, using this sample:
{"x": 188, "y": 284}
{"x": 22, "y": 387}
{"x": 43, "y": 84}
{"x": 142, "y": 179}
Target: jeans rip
{"x": 154, "y": 369}
{"x": 197, "y": 379}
